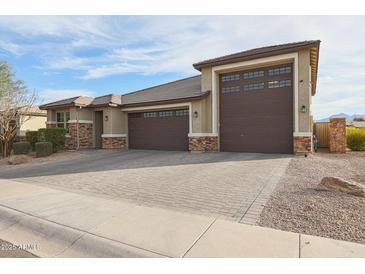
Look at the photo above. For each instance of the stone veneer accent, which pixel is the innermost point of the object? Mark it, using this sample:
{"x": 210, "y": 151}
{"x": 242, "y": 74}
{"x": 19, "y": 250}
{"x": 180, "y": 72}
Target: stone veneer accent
{"x": 114, "y": 142}
{"x": 85, "y": 136}
{"x": 302, "y": 144}
{"x": 203, "y": 143}
{"x": 337, "y": 136}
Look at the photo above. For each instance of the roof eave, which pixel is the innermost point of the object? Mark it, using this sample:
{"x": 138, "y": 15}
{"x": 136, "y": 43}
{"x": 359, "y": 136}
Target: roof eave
{"x": 169, "y": 101}
{"x": 45, "y": 107}
{"x": 314, "y": 87}
{"x": 204, "y": 64}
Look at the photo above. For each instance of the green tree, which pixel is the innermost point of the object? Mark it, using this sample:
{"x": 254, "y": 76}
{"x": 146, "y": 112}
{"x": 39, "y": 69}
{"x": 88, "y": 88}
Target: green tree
{"x": 358, "y": 119}
{"x": 15, "y": 101}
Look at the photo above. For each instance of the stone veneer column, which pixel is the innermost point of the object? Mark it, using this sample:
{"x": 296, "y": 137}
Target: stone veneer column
{"x": 119, "y": 142}
{"x": 337, "y": 137}
{"x": 85, "y": 136}
{"x": 203, "y": 143}
{"x": 302, "y": 144}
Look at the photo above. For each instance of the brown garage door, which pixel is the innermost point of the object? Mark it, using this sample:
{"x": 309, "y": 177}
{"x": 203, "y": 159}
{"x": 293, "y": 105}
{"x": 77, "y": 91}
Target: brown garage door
{"x": 161, "y": 130}
{"x": 256, "y": 110}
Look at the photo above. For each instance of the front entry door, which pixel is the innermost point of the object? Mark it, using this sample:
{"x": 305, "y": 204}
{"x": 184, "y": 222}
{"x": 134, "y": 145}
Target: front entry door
{"x": 98, "y": 128}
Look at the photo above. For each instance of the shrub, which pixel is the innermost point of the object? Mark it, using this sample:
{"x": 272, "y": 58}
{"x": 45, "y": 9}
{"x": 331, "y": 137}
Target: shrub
{"x": 57, "y": 136}
{"x": 356, "y": 138}
{"x": 32, "y": 138}
{"x": 43, "y": 149}
{"x": 21, "y": 148}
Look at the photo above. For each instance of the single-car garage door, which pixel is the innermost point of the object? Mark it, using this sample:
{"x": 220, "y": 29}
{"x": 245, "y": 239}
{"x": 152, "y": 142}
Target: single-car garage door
{"x": 160, "y": 130}
{"x": 256, "y": 110}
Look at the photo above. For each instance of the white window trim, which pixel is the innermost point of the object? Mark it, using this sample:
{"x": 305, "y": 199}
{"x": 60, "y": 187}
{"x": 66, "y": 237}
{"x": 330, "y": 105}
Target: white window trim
{"x": 303, "y": 134}
{"x": 113, "y": 135}
{"x": 261, "y": 61}
{"x": 202, "y": 135}
{"x": 80, "y": 121}
{"x": 65, "y": 122}
{"x": 157, "y": 107}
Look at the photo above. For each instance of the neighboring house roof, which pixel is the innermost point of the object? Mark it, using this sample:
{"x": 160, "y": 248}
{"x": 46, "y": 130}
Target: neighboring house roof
{"x": 188, "y": 88}
{"x": 33, "y": 111}
{"x": 268, "y": 51}
{"x": 356, "y": 123}
{"x": 74, "y": 101}
{"x": 106, "y": 100}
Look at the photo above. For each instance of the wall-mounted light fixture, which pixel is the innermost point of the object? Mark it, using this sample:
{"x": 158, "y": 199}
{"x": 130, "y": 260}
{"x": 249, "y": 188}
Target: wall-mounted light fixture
{"x": 195, "y": 114}
{"x": 106, "y": 118}
{"x": 303, "y": 109}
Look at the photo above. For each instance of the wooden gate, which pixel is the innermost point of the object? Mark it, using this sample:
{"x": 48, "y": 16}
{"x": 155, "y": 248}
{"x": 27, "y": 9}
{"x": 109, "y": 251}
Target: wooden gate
{"x": 322, "y": 132}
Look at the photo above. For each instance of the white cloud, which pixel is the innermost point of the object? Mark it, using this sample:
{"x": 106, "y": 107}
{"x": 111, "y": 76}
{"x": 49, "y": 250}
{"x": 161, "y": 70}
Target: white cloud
{"x": 50, "y": 95}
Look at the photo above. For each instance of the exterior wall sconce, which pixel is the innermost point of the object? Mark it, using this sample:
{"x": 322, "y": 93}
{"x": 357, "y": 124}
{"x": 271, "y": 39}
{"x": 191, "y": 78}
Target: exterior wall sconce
{"x": 303, "y": 109}
{"x": 106, "y": 118}
{"x": 195, "y": 114}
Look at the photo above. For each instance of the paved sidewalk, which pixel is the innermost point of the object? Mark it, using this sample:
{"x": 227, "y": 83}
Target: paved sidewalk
{"x": 63, "y": 224}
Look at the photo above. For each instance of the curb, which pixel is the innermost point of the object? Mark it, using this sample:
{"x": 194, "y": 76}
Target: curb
{"x": 48, "y": 239}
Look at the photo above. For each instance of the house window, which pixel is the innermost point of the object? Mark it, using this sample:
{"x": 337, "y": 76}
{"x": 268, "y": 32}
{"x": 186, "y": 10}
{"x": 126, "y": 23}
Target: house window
{"x": 278, "y": 71}
{"x": 253, "y": 74}
{"x": 255, "y": 86}
{"x": 149, "y": 114}
{"x": 182, "y": 112}
{"x": 62, "y": 119}
{"x": 165, "y": 113}
{"x": 232, "y": 77}
{"x": 279, "y": 84}
{"x": 231, "y": 89}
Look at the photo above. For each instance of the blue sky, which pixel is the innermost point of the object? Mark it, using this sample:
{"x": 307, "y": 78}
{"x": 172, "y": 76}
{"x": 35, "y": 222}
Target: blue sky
{"x": 64, "y": 56}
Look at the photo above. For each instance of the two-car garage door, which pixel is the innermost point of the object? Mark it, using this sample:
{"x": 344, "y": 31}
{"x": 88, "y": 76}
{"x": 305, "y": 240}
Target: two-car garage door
{"x": 256, "y": 110}
{"x": 160, "y": 130}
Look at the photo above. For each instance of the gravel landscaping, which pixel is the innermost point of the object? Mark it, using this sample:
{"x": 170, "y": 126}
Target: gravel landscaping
{"x": 60, "y": 155}
{"x": 299, "y": 205}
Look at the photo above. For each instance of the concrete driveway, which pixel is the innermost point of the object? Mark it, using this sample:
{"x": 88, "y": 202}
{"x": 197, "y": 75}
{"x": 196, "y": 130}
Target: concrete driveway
{"x": 233, "y": 186}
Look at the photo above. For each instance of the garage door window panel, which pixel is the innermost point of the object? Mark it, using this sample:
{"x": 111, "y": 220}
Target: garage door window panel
{"x": 234, "y": 89}
{"x": 149, "y": 114}
{"x": 279, "y": 84}
{"x": 279, "y": 70}
{"x": 182, "y": 112}
{"x": 166, "y": 113}
{"x": 231, "y": 77}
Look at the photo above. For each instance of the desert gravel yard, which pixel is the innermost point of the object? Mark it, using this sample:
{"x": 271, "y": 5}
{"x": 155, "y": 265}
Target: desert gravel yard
{"x": 299, "y": 205}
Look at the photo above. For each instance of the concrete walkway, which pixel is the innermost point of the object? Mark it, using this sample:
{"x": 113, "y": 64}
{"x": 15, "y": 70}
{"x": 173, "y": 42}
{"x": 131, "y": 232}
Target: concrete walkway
{"x": 62, "y": 224}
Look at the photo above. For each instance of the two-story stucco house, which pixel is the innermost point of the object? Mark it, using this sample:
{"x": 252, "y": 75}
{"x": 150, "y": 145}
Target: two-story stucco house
{"x": 257, "y": 100}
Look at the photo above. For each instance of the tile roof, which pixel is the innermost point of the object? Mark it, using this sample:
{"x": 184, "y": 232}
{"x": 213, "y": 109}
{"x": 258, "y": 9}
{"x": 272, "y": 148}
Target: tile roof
{"x": 257, "y": 52}
{"x": 77, "y": 101}
{"x": 180, "y": 89}
{"x": 106, "y": 100}
{"x": 176, "y": 90}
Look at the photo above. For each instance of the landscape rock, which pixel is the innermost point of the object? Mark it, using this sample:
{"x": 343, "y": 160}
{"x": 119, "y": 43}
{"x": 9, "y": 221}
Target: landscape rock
{"x": 342, "y": 185}
{"x": 18, "y": 159}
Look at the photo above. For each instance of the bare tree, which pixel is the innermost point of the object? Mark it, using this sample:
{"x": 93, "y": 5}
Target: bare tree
{"x": 15, "y": 101}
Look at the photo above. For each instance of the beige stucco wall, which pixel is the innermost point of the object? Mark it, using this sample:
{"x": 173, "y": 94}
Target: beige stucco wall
{"x": 304, "y": 91}
{"x": 32, "y": 123}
